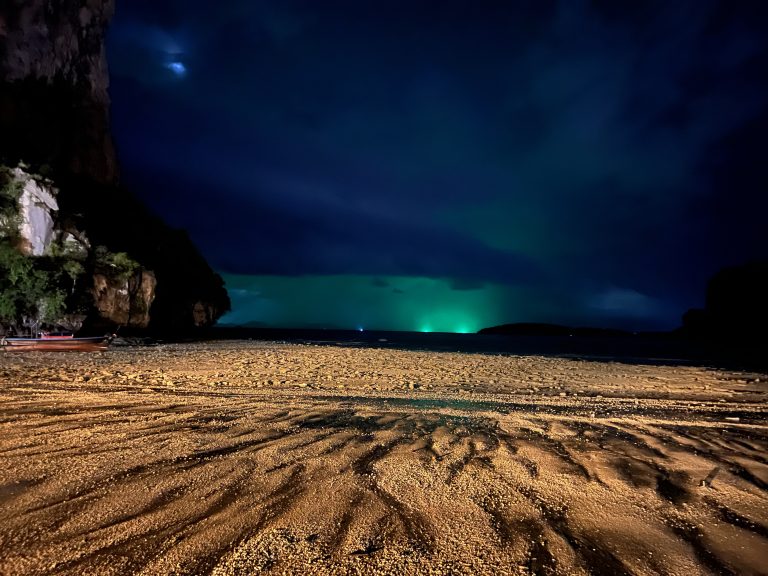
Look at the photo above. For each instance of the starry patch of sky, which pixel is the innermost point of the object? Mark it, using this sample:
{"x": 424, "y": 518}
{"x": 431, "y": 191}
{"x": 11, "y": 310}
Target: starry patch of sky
{"x": 589, "y": 162}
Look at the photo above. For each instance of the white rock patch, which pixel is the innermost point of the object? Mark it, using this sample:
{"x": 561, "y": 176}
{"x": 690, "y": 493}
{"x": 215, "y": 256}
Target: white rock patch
{"x": 37, "y": 204}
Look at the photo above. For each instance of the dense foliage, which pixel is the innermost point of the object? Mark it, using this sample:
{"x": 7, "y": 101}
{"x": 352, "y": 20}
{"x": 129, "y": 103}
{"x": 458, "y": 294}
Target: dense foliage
{"x": 48, "y": 290}
{"x": 52, "y": 290}
{"x": 56, "y": 290}
{"x": 30, "y": 293}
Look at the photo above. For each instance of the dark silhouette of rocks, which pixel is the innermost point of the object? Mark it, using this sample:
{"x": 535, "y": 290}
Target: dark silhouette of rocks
{"x": 188, "y": 295}
{"x": 735, "y": 315}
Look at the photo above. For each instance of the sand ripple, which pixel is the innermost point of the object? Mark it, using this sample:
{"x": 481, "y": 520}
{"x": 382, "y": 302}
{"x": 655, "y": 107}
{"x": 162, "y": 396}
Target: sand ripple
{"x": 242, "y": 458}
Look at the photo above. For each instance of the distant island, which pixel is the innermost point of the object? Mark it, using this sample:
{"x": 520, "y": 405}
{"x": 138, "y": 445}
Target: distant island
{"x": 732, "y": 325}
{"x": 543, "y": 329}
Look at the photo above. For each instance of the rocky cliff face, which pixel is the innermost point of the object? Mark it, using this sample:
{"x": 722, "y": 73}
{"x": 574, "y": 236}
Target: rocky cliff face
{"x": 54, "y": 105}
{"x": 54, "y": 121}
{"x": 125, "y": 301}
{"x": 37, "y": 208}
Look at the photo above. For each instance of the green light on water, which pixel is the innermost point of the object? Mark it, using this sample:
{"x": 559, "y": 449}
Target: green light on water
{"x": 425, "y": 329}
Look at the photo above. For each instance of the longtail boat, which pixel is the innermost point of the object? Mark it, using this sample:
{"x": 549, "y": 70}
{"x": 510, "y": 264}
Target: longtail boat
{"x": 61, "y": 344}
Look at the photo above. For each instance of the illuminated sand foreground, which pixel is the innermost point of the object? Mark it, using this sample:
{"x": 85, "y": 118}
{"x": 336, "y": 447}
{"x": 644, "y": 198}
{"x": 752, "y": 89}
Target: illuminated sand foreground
{"x": 246, "y": 458}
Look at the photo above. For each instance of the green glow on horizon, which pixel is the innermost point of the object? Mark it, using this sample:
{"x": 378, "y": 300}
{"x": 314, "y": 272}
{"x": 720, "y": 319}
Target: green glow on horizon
{"x": 455, "y": 317}
{"x": 350, "y": 301}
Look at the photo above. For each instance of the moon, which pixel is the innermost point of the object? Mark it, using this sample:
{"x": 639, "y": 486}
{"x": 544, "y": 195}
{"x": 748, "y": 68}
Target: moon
{"x": 178, "y": 68}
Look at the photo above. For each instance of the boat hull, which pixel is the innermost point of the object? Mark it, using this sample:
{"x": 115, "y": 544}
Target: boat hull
{"x": 56, "y": 344}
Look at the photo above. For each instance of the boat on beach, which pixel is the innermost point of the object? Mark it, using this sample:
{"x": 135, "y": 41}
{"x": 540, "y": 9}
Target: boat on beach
{"x": 57, "y": 343}
{"x": 55, "y": 336}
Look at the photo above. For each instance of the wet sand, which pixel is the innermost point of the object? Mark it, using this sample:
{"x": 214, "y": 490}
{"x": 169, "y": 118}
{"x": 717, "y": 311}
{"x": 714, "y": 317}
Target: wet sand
{"x": 264, "y": 458}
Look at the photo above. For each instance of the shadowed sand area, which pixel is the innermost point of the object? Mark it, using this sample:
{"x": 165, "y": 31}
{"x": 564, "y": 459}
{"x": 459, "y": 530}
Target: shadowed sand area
{"x": 241, "y": 458}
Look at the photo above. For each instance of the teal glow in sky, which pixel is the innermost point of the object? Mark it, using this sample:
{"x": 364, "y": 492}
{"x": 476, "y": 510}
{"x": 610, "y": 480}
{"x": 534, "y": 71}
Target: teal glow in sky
{"x": 417, "y": 303}
{"x": 354, "y": 302}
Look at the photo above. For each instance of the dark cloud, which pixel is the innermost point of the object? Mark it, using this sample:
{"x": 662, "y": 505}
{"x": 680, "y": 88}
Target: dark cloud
{"x": 595, "y": 150}
{"x": 467, "y": 284}
{"x": 259, "y": 236}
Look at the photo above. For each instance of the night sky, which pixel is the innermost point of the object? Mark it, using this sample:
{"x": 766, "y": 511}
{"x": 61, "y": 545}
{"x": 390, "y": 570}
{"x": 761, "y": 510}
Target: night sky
{"x": 450, "y": 165}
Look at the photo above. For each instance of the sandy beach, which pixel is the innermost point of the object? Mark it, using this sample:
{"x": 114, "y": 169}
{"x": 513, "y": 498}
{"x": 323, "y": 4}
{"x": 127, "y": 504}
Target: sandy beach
{"x": 268, "y": 458}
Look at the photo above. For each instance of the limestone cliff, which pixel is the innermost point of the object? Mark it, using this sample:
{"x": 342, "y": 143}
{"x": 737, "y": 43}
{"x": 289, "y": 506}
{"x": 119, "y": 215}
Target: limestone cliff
{"x": 125, "y": 301}
{"x": 54, "y": 122}
{"x": 37, "y": 208}
{"x": 54, "y": 105}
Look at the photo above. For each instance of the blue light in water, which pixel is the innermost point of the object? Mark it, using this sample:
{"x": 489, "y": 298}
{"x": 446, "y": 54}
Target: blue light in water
{"x": 359, "y": 328}
{"x": 177, "y": 68}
